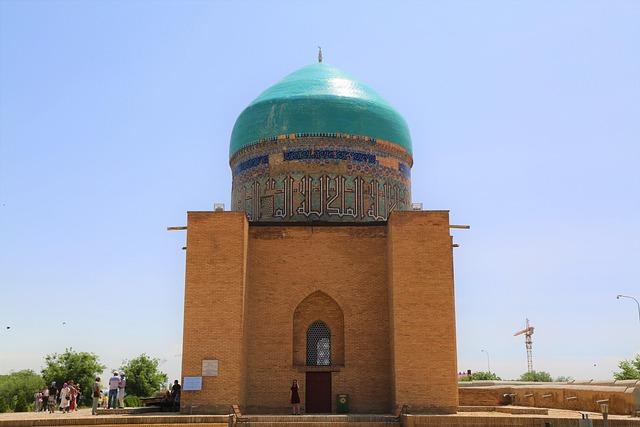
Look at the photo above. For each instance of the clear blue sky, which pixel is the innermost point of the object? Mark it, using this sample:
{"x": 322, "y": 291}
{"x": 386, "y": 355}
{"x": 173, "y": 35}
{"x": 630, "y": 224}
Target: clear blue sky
{"x": 115, "y": 118}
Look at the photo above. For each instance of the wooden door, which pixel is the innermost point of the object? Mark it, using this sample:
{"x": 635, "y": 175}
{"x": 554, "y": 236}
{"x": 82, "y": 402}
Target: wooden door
{"x": 318, "y": 393}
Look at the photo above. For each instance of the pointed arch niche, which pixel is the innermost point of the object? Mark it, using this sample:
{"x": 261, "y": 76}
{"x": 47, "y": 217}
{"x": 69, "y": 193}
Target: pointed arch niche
{"x": 318, "y": 307}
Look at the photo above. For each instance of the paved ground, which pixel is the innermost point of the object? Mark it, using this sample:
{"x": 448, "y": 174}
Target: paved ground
{"x": 553, "y": 413}
{"x": 81, "y": 413}
{"x": 44, "y": 415}
{"x": 86, "y": 413}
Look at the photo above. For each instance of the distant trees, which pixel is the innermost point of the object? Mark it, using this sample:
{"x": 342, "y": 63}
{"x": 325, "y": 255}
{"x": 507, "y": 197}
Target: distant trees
{"x": 144, "y": 378}
{"x": 481, "y": 376}
{"x": 17, "y": 390}
{"x": 81, "y": 367}
{"x": 629, "y": 369}
{"x": 536, "y": 376}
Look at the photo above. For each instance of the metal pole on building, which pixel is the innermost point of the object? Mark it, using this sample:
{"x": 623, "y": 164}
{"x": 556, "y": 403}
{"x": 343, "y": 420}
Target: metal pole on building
{"x": 488, "y": 363}
{"x": 637, "y": 303}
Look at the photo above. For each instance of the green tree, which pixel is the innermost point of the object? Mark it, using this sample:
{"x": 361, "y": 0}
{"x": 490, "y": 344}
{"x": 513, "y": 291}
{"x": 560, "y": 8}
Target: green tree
{"x": 481, "y": 376}
{"x": 536, "y": 376}
{"x": 563, "y": 379}
{"x": 143, "y": 376}
{"x": 629, "y": 369}
{"x": 81, "y": 367}
{"x": 17, "y": 390}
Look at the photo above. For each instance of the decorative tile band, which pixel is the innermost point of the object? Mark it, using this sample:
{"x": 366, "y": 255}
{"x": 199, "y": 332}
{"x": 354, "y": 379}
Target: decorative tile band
{"x": 329, "y": 154}
{"x": 294, "y": 138}
{"x": 251, "y": 163}
{"x": 320, "y": 179}
{"x": 300, "y": 197}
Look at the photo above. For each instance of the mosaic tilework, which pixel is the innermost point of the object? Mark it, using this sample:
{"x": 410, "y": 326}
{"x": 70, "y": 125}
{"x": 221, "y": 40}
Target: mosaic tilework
{"x": 251, "y": 163}
{"x": 323, "y": 138}
{"x": 321, "y": 178}
{"x": 329, "y": 154}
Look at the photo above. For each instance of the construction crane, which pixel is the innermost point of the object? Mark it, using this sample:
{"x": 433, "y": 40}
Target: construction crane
{"x": 527, "y": 332}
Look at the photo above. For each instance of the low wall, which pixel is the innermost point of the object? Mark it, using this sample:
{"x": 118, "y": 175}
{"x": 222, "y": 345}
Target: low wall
{"x": 487, "y": 421}
{"x": 624, "y": 396}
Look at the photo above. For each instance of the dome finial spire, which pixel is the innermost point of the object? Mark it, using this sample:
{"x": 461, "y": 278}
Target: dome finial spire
{"x": 319, "y": 54}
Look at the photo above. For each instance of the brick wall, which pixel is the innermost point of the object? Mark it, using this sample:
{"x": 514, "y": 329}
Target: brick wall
{"x": 318, "y": 306}
{"x": 252, "y": 291}
{"x": 422, "y": 311}
{"x": 214, "y": 306}
{"x": 288, "y": 264}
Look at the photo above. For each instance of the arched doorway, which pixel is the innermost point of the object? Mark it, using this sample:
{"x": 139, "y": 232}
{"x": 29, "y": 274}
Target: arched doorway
{"x": 318, "y": 348}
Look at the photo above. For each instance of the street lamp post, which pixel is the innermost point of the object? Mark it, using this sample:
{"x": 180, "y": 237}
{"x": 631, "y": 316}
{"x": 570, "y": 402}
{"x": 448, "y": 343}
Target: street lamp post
{"x": 637, "y": 303}
{"x": 488, "y": 363}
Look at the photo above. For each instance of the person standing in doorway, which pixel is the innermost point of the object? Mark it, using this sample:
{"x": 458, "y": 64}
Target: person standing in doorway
{"x": 121, "y": 386}
{"x": 295, "y": 398}
{"x": 95, "y": 394}
{"x": 114, "y": 382}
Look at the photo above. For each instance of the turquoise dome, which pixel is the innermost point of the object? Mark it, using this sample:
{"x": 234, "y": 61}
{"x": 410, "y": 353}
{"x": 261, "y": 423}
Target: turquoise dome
{"x": 319, "y": 98}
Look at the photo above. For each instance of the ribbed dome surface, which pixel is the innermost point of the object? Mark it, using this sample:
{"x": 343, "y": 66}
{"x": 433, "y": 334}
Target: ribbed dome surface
{"x": 319, "y": 99}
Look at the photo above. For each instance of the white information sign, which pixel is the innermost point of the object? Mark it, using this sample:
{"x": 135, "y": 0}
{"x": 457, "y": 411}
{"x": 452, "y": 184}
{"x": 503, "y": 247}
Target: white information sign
{"x": 192, "y": 383}
{"x": 209, "y": 368}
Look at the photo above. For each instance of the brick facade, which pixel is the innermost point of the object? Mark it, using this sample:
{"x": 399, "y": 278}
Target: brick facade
{"x": 384, "y": 290}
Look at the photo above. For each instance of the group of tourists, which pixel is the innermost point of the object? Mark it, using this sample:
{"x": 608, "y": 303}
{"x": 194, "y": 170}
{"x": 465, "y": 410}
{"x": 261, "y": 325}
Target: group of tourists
{"x": 65, "y": 398}
{"x": 117, "y": 383}
{"x": 114, "y": 398}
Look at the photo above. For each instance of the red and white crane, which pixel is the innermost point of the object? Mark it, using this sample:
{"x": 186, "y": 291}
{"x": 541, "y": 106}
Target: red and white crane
{"x": 527, "y": 332}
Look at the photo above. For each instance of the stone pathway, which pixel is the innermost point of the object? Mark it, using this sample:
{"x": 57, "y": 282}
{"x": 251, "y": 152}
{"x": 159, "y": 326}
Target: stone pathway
{"x": 83, "y": 417}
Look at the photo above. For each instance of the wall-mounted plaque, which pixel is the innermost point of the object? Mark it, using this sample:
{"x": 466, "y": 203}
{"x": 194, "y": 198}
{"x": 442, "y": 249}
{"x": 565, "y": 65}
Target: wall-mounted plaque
{"x": 192, "y": 383}
{"x": 209, "y": 368}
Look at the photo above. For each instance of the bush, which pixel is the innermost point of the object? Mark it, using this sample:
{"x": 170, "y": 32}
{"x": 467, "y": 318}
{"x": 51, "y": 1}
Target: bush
{"x": 629, "y": 369}
{"x": 143, "y": 376}
{"x": 481, "y": 376}
{"x": 131, "y": 401}
{"x": 21, "y": 404}
{"x": 17, "y": 390}
{"x": 536, "y": 376}
{"x": 81, "y": 367}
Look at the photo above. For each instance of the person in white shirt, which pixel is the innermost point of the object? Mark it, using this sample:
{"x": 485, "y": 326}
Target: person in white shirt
{"x": 114, "y": 382}
{"x": 121, "y": 386}
{"x": 45, "y": 399}
{"x": 65, "y": 398}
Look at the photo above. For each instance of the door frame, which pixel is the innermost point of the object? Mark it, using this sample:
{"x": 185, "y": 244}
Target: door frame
{"x": 308, "y": 391}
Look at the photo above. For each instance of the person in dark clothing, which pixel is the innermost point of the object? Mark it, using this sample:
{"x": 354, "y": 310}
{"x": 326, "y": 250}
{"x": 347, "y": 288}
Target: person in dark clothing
{"x": 295, "y": 398}
{"x": 175, "y": 395}
{"x": 53, "y": 397}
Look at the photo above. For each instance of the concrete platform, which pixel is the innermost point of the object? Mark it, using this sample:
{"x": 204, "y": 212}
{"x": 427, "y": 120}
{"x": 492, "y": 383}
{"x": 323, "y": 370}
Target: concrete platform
{"x": 514, "y": 410}
{"x": 468, "y": 417}
{"x": 320, "y": 420}
{"x": 130, "y": 411}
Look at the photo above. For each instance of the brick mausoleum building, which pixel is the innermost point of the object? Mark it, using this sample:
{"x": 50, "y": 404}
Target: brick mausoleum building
{"x": 321, "y": 272}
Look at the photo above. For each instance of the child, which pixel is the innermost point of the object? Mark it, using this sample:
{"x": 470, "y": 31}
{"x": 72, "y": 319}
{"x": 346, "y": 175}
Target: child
{"x": 105, "y": 399}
